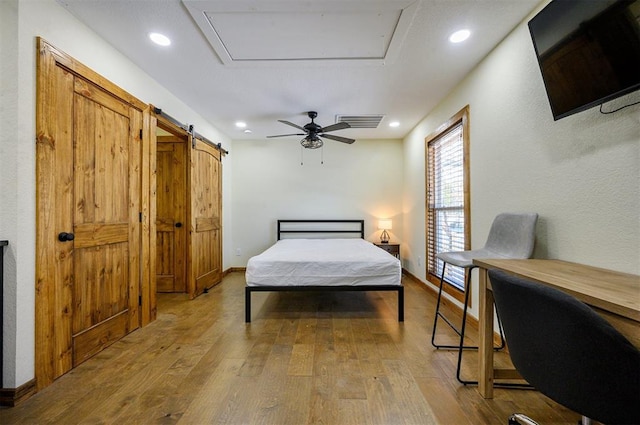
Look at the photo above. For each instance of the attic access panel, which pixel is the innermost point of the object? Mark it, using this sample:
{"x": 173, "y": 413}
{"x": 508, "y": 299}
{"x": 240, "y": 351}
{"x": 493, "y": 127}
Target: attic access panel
{"x": 251, "y": 32}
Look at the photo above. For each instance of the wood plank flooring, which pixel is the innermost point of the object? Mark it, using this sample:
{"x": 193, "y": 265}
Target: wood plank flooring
{"x": 306, "y": 358}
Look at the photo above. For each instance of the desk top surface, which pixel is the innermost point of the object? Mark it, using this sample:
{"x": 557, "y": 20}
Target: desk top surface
{"x": 609, "y": 290}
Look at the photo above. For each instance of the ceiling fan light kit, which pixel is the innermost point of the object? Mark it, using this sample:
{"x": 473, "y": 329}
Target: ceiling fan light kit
{"x": 313, "y": 132}
{"x": 311, "y": 142}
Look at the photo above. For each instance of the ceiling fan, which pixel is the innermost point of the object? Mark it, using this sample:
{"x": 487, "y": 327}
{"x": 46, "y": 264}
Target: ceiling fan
{"x": 313, "y": 132}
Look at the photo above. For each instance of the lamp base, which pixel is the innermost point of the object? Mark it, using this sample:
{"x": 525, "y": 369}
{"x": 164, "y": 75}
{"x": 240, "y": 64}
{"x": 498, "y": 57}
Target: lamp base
{"x": 384, "y": 237}
{"x": 384, "y": 241}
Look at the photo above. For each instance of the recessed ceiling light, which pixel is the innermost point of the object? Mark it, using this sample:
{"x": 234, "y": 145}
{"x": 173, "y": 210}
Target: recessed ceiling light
{"x": 241, "y": 124}
{"x": 159, "y": 39}
{"x": 248, "y": 131}
{"x": 459, "y": 36}
{"x": 394, "y": 124}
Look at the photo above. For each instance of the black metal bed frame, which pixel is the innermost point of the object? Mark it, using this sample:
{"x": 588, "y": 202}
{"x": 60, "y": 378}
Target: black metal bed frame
{"x": 315, "y": 230}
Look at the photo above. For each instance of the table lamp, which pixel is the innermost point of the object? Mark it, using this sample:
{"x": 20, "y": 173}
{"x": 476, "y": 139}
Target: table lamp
{"x": 384, "y": 225}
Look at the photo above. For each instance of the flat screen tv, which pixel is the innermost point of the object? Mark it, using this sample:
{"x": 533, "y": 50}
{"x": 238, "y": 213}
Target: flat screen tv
{"x": 588, "y": 52}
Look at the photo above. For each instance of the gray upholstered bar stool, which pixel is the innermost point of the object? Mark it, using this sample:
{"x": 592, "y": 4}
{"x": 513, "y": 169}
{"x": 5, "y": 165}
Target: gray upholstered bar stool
{"x": 512, "y": 235}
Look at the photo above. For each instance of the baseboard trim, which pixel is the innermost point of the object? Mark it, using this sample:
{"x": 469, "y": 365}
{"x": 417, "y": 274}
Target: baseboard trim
{"x": 457, "y": 310}
{"x": 11, "y": 397}
{"x": 417, "y": 280}
{"x": 234, "y": 269}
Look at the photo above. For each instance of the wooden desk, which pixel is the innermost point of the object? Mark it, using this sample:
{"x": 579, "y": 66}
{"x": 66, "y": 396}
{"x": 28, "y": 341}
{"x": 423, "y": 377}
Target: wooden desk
{"x": 614, "y": 295}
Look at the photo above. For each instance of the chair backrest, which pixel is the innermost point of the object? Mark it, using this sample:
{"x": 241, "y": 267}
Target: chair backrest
{"x": 513, "y": 235}
{"x": 567, "y": 351}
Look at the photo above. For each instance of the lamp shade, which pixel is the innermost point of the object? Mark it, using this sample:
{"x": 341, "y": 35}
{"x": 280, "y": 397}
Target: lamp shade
{"x": 385, "y": 224}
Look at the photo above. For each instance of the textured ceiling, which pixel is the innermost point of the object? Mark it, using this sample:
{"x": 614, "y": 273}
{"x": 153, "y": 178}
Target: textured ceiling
{"x": 259, "y": 61}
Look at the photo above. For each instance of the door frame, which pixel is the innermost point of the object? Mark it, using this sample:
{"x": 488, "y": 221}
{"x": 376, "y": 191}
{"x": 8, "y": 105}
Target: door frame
{"x": 48, "y": 58}
{"x": 159, "y": 121}
{"x": 195, "y": 145}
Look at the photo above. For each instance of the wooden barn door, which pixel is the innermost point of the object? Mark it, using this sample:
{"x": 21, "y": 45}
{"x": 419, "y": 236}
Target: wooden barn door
{"x": 205, "y": 245}
{"x": 171, "y": 225}
{"x": 88, "y": 214}
{"x": 105, "y": 207}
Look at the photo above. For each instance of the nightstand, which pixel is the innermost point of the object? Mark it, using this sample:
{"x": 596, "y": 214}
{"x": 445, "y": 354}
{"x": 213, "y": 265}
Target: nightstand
{"x": 391, "y": 248}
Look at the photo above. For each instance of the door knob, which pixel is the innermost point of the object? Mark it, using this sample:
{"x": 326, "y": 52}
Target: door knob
{"x": 178, "y": 224}
{"x": 64, "y": 237}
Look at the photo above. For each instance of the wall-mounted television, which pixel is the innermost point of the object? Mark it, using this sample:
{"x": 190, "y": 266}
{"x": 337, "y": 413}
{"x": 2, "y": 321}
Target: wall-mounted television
{"x": 588, "y": 52}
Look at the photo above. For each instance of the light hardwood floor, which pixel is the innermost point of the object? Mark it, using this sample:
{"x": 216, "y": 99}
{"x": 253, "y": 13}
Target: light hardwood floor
{"x": 307, "y": 358}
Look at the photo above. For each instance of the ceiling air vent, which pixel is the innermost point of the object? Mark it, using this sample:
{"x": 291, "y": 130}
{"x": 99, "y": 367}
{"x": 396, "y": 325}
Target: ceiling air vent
{"x": 361, "y": 121}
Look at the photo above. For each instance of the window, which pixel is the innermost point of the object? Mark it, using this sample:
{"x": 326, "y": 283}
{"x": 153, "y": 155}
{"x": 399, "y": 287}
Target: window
{"x": 447, "y": 181}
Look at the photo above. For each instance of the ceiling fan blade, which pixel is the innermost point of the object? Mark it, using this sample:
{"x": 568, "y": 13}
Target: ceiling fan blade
{"x": 337, "y": 138}
{"x": 291, "y": 124}
{"x": 336, "y": 126}
{"x": 284, "y": 135}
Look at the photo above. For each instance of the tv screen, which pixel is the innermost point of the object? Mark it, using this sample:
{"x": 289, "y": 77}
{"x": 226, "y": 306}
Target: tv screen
{"x": 588, "y": 52}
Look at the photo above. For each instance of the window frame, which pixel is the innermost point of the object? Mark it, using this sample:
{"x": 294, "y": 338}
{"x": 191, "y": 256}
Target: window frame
{"x": 460, "y": 118}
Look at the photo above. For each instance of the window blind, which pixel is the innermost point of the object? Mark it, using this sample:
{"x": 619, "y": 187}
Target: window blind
{"x": 445, "y": 202}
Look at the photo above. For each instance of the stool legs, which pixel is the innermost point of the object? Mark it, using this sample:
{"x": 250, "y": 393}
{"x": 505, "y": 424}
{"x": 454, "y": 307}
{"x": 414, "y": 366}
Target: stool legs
{"x": 460, "y": 347}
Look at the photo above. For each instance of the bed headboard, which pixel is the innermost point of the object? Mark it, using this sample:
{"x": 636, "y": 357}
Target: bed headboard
{"x": 324, "y": 227}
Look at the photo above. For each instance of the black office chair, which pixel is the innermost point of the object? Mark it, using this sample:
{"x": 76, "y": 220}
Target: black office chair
{"x": 567, "y": 351}
{"x": 512, "y": 235}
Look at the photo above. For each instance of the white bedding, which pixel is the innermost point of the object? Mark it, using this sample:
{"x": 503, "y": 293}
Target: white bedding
{"x": 323, "y": 262}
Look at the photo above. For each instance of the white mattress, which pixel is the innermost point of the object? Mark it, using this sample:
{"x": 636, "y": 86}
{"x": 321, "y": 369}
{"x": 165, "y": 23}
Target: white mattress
{"x": 323, "y": 262}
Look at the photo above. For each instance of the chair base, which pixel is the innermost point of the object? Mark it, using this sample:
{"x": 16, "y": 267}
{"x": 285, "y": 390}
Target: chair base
{"x": 520, "y": 419}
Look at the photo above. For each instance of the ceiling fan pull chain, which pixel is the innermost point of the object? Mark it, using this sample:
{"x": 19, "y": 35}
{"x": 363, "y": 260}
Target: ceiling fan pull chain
{"x": 301, "y": 155}
{"x": 322, "y": 155}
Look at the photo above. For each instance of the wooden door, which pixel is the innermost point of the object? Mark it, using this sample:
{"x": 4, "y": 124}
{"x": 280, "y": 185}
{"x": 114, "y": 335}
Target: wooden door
{"x": 205, "y": 245}
{"x": 105, "y": 205}
{"x": 171, "y": 193}
{"x": 88, "y": 214}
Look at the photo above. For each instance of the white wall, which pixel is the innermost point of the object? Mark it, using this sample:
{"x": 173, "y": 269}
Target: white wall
{"x": 581, "y": 174}
{"x": 358, "y": 181}
{"x": 21, "y": 21}
{"x": 10, "y": 174}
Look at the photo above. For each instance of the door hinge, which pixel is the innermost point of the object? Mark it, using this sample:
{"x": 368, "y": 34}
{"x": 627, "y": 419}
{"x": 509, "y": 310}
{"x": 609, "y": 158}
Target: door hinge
{"x": 140, "y": 300}
{"x": 140, "y": 217}
{"x": 140, "y": 134}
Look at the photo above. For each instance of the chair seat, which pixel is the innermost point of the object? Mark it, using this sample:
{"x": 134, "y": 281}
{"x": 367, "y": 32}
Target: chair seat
{"x": 465, "y": 258}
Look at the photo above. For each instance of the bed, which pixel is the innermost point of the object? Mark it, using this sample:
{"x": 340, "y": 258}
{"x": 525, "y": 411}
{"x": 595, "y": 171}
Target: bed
{"x": 323, "y": 255}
